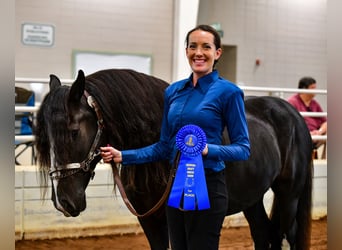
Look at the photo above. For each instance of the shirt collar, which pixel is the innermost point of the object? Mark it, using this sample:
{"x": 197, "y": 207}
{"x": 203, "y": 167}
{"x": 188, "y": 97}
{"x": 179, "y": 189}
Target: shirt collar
{"x": 203, "y": 82}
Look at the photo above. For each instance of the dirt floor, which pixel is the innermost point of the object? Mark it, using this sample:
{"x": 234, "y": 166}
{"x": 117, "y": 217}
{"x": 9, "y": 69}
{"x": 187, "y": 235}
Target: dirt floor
{"x": 231, "y": 239}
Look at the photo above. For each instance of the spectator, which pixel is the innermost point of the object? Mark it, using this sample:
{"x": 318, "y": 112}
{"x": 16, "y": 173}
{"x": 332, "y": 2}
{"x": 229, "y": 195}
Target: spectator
{"x": 305, "y": 102}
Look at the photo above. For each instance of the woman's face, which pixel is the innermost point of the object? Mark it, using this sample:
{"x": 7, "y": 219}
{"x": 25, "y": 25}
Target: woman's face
{"x": 201, "y": 52}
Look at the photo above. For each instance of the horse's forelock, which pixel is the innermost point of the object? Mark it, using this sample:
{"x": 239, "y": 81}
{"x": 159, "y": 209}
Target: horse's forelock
{"x": 45, "y": 117}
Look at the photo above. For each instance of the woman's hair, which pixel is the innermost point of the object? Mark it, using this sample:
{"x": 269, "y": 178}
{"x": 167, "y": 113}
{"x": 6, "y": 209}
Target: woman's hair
{"x": 305, "y": 82}
{"x": 207, "y": 28}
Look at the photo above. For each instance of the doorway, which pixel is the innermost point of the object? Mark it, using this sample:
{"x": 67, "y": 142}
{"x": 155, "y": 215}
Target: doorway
{"x": 227, "y": 63}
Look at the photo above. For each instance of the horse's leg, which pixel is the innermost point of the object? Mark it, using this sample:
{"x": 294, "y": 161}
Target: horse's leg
{"x": 155, "y": 229}
{"x": 284, "y": 220}
{"x": 277, "y": 217}
{"x": 260, "y": 225}
{"x": 289, "y": 222}
{"x": 296, "y": 212}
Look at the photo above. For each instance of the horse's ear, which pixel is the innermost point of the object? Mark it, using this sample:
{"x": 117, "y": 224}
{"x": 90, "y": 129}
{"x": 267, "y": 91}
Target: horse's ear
{"x": 77, "y": 87}
{"x": 54, "y": 82}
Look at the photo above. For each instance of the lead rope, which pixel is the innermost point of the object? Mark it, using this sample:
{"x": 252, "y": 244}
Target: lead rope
{"x": 162, "y": 199}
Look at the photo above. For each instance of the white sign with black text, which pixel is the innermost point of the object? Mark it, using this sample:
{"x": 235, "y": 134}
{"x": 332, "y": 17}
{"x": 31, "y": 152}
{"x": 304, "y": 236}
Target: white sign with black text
{"x": 38, "y": 34}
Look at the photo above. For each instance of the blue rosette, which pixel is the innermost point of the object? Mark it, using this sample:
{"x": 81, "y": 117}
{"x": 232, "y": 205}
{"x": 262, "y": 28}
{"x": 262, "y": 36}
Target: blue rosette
{"x": 189, "y": 190}
{"x": 191, "y": 140}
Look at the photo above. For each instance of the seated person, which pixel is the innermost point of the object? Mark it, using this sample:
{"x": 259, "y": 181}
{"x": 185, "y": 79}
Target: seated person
{"x": 305, "y": 102}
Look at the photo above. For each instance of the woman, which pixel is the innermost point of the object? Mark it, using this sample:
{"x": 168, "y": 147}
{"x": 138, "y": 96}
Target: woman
{"x": 211, "y": 103}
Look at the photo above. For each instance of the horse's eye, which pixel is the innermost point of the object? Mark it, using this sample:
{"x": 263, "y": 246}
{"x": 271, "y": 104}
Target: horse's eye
{"x": 74, "y": 134}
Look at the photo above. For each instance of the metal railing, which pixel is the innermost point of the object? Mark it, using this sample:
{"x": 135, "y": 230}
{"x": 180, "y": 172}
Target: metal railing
{"x": 280, "y": 93}
{"x": 269, "y": 90}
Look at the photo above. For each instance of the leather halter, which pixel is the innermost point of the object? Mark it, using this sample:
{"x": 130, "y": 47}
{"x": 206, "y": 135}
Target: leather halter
{"x": 72, "y": 168}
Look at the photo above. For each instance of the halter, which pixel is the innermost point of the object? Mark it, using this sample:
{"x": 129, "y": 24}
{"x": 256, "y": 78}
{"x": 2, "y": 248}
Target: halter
{"x": 72, "y": 168}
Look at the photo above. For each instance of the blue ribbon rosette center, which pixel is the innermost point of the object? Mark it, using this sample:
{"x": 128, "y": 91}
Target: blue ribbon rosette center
{"x": 189, "y": 190}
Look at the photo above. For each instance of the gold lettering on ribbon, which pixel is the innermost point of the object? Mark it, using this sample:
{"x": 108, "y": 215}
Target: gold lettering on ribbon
{"x": 190, "y": 142}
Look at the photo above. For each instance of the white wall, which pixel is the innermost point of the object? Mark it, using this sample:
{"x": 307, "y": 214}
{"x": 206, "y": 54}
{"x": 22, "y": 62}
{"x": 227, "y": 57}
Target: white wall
{"x": 288, "y": 36}
{"x": 134, "y": 27}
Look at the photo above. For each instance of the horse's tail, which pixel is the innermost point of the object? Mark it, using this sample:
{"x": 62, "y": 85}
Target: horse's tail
{"x": 304, "y": 210}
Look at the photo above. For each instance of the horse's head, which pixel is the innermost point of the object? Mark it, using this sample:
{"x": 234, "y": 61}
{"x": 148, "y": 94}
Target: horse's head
{"x": 68, "y": 135}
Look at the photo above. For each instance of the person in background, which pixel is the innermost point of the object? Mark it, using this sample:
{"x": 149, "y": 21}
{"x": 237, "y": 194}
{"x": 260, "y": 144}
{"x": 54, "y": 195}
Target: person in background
{"x": 212, "y": 103}
{"x": 305, "y": 102}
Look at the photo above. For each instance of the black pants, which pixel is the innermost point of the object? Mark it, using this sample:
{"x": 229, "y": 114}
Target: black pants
{"x": 200, "y": 229}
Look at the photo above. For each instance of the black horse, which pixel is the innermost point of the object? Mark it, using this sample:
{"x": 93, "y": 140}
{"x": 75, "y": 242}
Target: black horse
{"x": 124, "y": 108}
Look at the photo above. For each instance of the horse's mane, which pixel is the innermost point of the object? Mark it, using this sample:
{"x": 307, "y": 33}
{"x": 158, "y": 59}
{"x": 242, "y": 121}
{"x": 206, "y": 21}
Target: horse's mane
{"x": 131, "y": 104}
{"x": 132, "y": 107}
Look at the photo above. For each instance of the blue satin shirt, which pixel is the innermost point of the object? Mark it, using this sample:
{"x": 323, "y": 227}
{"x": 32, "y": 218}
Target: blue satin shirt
{"x": 213, "y": 104}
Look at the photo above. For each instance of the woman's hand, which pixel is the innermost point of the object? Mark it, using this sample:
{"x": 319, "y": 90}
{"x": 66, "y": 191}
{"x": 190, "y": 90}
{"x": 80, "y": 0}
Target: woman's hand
{"x": 205, "y": 150}
{"x": 109, "y": 153}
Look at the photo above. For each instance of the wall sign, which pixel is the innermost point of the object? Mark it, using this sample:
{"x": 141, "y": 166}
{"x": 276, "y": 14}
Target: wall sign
{"x": 37, "y": 34}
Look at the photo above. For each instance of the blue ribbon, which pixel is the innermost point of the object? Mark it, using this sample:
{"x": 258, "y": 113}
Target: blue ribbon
{"x": 190, "y": 183}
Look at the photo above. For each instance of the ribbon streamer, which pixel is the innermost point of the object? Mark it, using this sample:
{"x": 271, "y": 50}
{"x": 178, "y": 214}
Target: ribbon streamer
{"x": 190, "y": 183}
